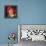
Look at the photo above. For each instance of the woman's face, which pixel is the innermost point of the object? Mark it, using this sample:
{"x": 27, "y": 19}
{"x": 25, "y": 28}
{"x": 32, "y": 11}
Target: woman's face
{"x": 11, "y": 11}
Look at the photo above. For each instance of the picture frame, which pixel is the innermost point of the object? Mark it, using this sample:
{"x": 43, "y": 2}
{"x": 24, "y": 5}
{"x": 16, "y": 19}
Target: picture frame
{"x": 10, "y": 11}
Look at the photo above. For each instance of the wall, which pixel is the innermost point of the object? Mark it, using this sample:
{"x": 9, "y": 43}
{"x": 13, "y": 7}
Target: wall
{"x": 33, "y": 12}
{"x": 29, "y": 12}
